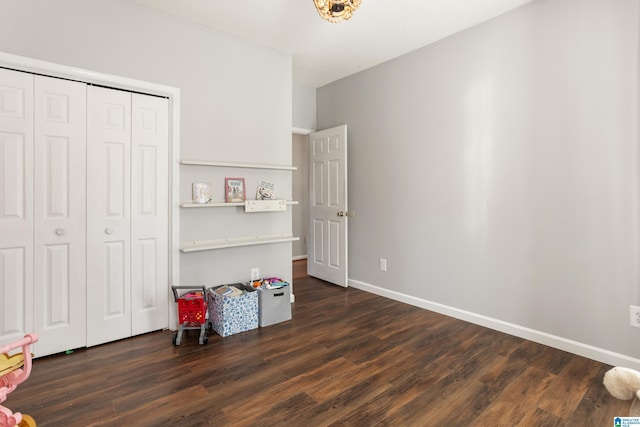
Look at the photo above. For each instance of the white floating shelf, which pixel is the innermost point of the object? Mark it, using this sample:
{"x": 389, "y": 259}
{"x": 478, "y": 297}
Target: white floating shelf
{"x": 214, "y": 204}
{"x": 221, "y": 204}
{"x": 233, "y": 242}
{"x": 238, "y": 165}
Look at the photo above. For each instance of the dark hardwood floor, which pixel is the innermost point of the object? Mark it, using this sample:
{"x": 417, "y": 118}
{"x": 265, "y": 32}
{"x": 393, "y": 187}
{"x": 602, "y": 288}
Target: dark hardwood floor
{"x": 348, "y": 358}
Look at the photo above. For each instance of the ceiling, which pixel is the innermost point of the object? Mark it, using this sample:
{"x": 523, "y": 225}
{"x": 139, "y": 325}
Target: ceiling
{"x": 323, "y": 52}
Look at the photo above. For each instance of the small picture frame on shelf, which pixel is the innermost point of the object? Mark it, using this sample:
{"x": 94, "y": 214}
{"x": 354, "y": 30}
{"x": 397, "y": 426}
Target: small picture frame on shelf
{"x": 201, "y": 192}
{"x": 234, "y": 190}
{"x": 266, "y": 190}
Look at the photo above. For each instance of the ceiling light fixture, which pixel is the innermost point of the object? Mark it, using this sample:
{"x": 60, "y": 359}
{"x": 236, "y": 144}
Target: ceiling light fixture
{"x": 336, "y": 10}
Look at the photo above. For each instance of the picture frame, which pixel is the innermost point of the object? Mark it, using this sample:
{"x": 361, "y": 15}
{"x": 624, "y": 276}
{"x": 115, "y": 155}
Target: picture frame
{"x": 266, "y": 190}
{"x": 201, "y": 192}
{"x": 234, "y": 190}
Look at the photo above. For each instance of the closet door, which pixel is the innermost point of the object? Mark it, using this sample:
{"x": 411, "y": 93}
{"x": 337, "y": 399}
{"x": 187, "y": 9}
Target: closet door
{"x": 127, "y": 214}
{"x": 108, "y": 215}
{"x": 149, "y": 213}
{"x": 59, "y": 215}
{"x": 16, "y": 205}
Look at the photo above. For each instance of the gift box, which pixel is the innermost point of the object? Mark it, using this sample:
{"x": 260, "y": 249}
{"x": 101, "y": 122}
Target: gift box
{"x": 230, "y": 314}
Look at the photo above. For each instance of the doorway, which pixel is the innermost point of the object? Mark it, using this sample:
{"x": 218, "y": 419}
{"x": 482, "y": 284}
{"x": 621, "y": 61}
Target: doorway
{"x": 300, "y": 192}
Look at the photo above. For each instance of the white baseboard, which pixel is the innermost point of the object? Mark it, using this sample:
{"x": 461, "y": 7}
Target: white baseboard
{"x": 585, "y": 350}
{"x": 299, "y": 257}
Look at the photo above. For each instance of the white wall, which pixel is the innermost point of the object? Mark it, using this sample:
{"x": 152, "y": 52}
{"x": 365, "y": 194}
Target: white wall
{"x": 236, "y": 106}
{"x": 304, "y": 107}
{"x": 497, "y": 171}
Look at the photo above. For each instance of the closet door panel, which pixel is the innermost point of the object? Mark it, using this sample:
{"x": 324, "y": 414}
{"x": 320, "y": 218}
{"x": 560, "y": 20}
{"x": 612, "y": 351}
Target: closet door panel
{"x": 108, "y": 215}
{"x": 60, "y": 212}
{"x": 15, "y": 286}
{"x": 16, "y": 205}
{"x": 115, "y": 303}
{"x": 149, "y": 213}
{"x": 15, "y": 185}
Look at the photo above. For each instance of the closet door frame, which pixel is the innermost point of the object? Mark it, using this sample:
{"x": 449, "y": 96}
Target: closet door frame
{"x": 51, "y": 69}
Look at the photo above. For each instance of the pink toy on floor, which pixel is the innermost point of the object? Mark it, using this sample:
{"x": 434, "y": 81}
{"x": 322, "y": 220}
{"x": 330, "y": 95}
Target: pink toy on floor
{"x": 14, "y": 370}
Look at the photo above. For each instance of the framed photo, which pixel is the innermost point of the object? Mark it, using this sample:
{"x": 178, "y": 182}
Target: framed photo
{"x": 201, "y": 192}
{"x": 234, "y": 190}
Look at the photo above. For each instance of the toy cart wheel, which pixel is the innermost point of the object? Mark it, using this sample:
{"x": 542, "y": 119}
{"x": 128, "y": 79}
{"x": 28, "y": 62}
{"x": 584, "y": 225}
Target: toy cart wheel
{"x": 204, "y": 340}
{"x": 175, "y": 339}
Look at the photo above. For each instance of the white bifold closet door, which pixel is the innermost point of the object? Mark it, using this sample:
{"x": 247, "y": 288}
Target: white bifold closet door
{"x": 127, "y": 214}
{"x": 60, "y": 303}
{"x": 42, "y": 211}
{"x": 83, "y": 212}
{"x": 16, "y": 205}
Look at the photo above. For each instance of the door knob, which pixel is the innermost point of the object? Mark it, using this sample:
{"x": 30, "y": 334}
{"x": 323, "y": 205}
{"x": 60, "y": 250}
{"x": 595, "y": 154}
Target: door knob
{"x": 108, "y": 230}
{"x": 347, "y": 213}
{"x": 60, "y": 231}
{"x": 342, "y": 213}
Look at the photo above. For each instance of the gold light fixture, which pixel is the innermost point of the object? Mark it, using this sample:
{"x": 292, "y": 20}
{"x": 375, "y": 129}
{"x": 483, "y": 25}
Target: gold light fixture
{"x": 336, "y": 10}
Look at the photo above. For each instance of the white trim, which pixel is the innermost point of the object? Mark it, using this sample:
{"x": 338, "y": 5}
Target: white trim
{"x": 299, "y": 257}
{"x": 301, "y": 131}
{"x": 174, "y": 194}
{"x": 37, "y": 66}
{"x": 581, "y": 349}
{"x": 30, "y": 65}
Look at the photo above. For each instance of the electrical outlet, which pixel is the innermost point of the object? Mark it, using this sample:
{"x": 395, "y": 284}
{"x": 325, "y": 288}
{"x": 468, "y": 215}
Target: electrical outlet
{"x": 634, "y": 316}
{"x": 255, "y": 273}
{"x": 383, "y": 264}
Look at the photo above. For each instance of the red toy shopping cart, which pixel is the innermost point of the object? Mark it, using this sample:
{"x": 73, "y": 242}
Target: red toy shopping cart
{"x": 192, "y": 312}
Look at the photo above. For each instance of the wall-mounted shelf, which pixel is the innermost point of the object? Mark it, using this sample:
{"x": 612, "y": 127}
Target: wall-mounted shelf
{"x": 249, "y": 205}
{"x": 238, "y": 165}
{"x": 210, "y": 204}
{"x": 221, "y": 204}
{"x": 233, "y": 242}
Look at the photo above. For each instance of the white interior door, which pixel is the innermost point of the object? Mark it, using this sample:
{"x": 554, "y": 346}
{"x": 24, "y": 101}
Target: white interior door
{"x": 327, "y": 252}
{"x": 108, "y": 215}
{"x": 149, "y": 213}
{"x": 59, "y": 211}
{"x": 16, "y": 205}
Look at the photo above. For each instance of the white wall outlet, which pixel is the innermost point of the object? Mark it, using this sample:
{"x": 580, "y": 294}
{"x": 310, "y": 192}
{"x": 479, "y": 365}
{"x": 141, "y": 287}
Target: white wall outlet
{"x": 634, "y": 316}
{"x": 255, "y": 273}
{"x": 383, "y": 264}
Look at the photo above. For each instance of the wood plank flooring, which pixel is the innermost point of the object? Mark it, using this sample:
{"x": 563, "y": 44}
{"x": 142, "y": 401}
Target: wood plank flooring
{"x": 348, "y": 358}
